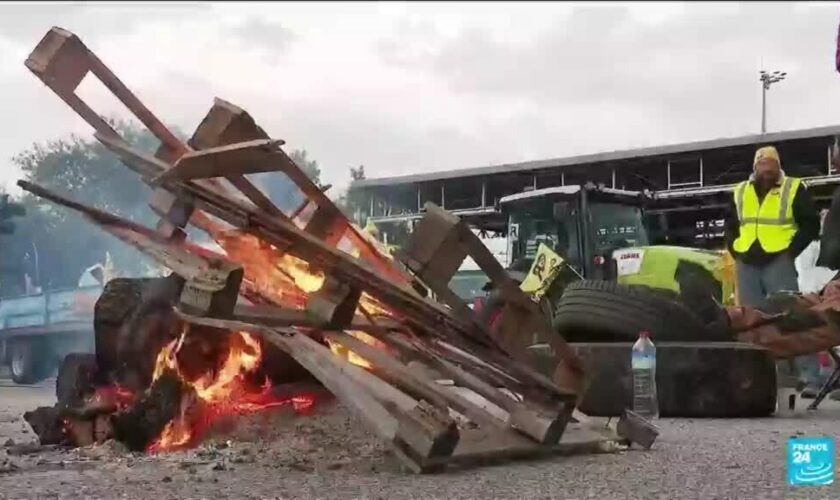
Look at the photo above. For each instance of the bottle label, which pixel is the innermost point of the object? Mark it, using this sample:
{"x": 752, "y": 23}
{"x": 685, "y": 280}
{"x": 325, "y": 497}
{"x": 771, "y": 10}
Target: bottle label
{"x": 643, "y": 362}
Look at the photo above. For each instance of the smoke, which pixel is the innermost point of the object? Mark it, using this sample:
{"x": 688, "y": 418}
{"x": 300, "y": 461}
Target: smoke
{"x": 280, "y": 189}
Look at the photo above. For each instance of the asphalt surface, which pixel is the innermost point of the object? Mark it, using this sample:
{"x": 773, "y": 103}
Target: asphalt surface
{"x": 693, "y": 458}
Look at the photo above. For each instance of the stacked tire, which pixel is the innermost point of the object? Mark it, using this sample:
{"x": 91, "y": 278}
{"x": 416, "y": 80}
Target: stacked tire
{"x": 603, "y": 311}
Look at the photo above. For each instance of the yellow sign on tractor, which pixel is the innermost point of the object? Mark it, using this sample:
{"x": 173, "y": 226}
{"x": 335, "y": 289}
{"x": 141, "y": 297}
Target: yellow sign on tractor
{"x": 543, "y": 271}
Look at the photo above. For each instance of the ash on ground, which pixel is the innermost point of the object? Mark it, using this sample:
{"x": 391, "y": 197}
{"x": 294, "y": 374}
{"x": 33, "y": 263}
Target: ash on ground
{"x": 329, "y": 438}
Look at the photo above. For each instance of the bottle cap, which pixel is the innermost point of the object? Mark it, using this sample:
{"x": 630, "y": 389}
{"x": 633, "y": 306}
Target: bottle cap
{"x": 644, "y": 334}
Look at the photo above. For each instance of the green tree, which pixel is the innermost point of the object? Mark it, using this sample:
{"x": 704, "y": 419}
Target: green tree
{"x": 280, "y": 188}
{"x": 352, "y": 205}
{"x": 309, "y": 167}
{"x": 357, "y": 173}
{"x": 52, "y": 244}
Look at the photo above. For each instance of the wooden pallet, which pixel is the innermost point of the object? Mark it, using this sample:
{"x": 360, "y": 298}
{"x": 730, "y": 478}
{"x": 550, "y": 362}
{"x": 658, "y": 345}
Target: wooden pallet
{"x": 428, "y": 425}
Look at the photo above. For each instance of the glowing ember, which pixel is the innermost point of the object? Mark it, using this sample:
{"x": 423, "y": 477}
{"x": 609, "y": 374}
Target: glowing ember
{"x": 373, "y": 306}
{"x": 221, "y": 392}
{"x": 118, "y": 395}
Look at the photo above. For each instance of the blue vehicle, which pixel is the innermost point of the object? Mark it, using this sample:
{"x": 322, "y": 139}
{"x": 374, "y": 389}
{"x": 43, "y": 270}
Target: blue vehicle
{"x": 38, "y": 330}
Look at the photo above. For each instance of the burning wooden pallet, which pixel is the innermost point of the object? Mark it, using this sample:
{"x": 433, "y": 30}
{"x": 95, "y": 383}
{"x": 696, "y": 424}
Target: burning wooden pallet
{"x": 355, "y": 298}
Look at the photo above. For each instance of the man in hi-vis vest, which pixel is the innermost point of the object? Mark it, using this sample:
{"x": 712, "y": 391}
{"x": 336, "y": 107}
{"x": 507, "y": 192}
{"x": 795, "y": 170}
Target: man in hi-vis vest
{"x": 772, "y": 220}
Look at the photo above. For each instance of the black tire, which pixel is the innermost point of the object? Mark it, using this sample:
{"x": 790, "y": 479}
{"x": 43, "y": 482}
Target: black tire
{"x": 697, "y": 379}
{"x": 25, "y": 366}
{"x": 603, "y": 311}
{"x": 76, "y": 378}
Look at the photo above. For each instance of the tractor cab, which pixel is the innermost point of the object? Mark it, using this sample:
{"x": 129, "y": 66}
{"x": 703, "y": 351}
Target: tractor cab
{"x": 584, "y": 224}
{"x": 605, "y": 234}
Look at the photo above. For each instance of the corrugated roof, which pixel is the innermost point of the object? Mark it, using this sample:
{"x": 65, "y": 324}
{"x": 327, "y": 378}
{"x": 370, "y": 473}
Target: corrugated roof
{"x": 602, "y": 157}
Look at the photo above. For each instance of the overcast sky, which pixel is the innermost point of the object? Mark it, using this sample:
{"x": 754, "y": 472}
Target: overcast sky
{"x": 414, "y": 87}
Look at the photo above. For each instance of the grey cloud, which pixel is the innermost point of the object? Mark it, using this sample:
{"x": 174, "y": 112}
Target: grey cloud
{"x": 272, "y": 39}
{"x": 339, "y": 136}
{"x": 597, "y": 53}
{"x": 28, "y": 22}
{"x": 696, "y": 72}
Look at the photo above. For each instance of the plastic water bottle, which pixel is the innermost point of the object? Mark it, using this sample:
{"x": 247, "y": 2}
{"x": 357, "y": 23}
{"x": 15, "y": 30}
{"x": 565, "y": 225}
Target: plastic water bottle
{"x": 643, "y": 362}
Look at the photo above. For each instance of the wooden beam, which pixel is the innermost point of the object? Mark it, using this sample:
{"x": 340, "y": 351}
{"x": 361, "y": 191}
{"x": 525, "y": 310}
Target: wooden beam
{"x": 61, "y": 60}
{"x": 479, "y": 446}
{"x": 227, "y": 123}
{"x": 250, "y": 157}
{"x": 417, "y": 431}
{"x": 426, "y": 317}
{"x": 411, "y": 381}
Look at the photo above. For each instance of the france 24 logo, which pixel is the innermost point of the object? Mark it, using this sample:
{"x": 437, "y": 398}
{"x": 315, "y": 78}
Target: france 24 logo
{"x": 810, "y": 461}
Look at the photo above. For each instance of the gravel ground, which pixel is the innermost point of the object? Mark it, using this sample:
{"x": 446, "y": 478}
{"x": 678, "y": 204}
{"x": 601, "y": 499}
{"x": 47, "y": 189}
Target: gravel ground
{"x": 330, "y": 455}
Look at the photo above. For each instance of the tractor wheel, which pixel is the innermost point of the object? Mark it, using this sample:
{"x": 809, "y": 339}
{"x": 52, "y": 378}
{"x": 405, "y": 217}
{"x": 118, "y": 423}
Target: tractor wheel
{"x": 603, "y": 311}
{"x": 696, "y": 379}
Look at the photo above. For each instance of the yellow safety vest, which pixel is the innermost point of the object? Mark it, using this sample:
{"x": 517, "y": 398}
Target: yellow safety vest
{"x": 770, "y": 221}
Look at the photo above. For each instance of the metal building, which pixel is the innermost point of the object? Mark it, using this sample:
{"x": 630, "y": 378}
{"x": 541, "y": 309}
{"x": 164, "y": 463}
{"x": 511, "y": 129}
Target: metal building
{"x": 691, "y": 182}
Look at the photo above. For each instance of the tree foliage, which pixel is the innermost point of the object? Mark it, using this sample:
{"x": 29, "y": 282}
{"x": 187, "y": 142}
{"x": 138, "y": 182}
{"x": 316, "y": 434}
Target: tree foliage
{"x": 310, "y": 167}
{"x": 280, "y": 188}
{"x": 52, "y": 244}
{"x": 352, "y": 205}
{"x": 358, "y": 173}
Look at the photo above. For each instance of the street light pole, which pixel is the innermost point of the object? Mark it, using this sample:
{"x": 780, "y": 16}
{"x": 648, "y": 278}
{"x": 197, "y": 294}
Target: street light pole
{"x": 767, "y": 79}
{"x": 764, "y": 88}
{"x": 37, "y": 270}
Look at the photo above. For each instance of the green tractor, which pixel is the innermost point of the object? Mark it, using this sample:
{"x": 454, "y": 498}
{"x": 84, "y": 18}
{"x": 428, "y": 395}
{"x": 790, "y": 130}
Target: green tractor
{"x": 586, "y": 253}
{"x": 614, "y": 275}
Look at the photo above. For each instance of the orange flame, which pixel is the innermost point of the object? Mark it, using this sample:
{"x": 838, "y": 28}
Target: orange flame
{"x": 283, "y": 278}
{"x": 352, "y": 357}
{"x": 217, "y": 393}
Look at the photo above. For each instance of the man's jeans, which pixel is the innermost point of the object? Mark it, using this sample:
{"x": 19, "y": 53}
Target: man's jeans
{"x": 756, "y": 283}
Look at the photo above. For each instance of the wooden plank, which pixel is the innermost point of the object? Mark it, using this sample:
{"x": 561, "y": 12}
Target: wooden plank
{"x": 148, "y": 167}
{"x": 285, "y": 235}
{"x": 256, "y": 196}
{"x": 478, "y": 447}
{"x": 629, "y": 428}
{"x": 439, "y": 244}
{"x": 411, "y": 381}
{"x": 545, "y": 425}
{"x": 227, "y": 123}
{"x": 542, "y": 422}
{"x": 417, "y": 431}
{"x": 276, "y": 316}
{"x": 242, "y": 158}
{"x": 335, "y": 303}
{"x": 424, "y": 315}
{"x": 340, "y": 377}
{"x": 61, "y": 60}
{"x": 421, "y": 432}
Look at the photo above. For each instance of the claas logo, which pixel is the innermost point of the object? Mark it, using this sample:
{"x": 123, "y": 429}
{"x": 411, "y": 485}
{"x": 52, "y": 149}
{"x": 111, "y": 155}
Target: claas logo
{"x": 630, "y": 256}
